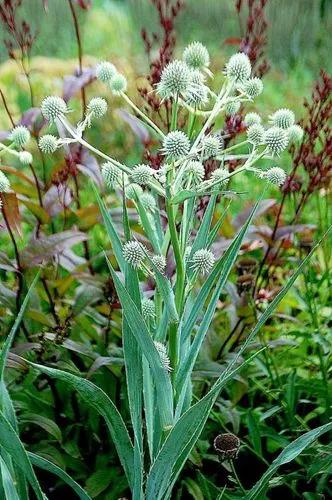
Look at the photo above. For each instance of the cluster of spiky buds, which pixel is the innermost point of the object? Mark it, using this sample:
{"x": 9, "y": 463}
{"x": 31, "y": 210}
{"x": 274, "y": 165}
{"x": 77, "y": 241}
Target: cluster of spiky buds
{"x": 133, "y": 191}
{"x": 160, "y": 262}
{"x": 148, "y": 308}
{"x": 212, "y": 146}
{"x": 197, "y": 94}
{"x": 194, "y": 171}
{"x": 232, "y": 108}
{"x": 256, "y": 134}
{"x": 48, "y": 143}
{"x": 133, "y": 253}
{"x": 276, "y": 140}
{"x": 176, "y": 145}
{"x": 163, "y": 356}
{"x": 251, "y": 119}
{"x": 20, "y": 135}
{"x": 275, "y": 175}
{"x": 238, "y": 67}
{"x": 97, "y": 107}
{"x": 111, "y": 175}
{"x": 53, "y": 107}
{"x": 295, "y": 133}
{"x": 196, "y": 56}
{"x": 252, "y": 87}
{"x": 283, "y": 118}
{"x": 4, "y": 183}
{"x": 220, "y": 177}
{"x": 141, "y": 174}
{"x": 175, "y": 80}
{"x": 202, "y": 261}
{"x": 118, "y": 84}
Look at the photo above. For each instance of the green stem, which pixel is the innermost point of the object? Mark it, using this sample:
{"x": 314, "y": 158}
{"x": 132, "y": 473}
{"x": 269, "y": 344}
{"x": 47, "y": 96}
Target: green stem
{"x": 143, "y": 115}
{"x": 175, "y": 108}
{"x": 236, "y": 477}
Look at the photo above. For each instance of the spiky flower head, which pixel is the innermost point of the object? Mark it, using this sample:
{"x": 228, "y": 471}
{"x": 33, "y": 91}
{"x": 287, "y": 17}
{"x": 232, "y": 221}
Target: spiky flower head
{"x": 197, "y": 95}
{"x": 111, "y": 174}
{"x": 141, "y": 174}
{"x": 20, "y": 135}
{"x": 148, "y": 202}
{"x": 175, "y": 80}
{"x": 212, "y": 145}
{"x": 232, "y": 108}
{"x": 53, "y": 107}
{"x": 276, "y": 140}
{"x": 196, "y": 56}
{"x": 220, "y": 177}
{"x": 253, "y": 87}
{"x": 133, "y": 191}
{"x": 195, "y": 171}
{"x": 160, "y": 263}
{"x": 118, "y": 84}
{"x": 25, "y": 157}
{"x": 48, "y": 143}
{"x": 256, "y": 134}
{"x": 162, "y": 351}
{"x": 283, "y": 118}
{"x": 176, "y": 145}
{"x": 133, "y": 253}
{"x": 238, "y": 67}
{"x": 97, "y": 107}
{"x": 105, "y": 71}
{"x": 295, "y": 133}
{"x": 251, "y": 118}
{"x": 4, "y": 183}
{"x": 202, "y": 261}
{"x": 275, "y": 175}
{"x": 148, "y": 308}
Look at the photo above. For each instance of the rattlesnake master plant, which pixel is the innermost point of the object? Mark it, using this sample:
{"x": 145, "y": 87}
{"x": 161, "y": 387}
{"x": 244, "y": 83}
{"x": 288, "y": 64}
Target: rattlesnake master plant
{"x": 164, "y": 331}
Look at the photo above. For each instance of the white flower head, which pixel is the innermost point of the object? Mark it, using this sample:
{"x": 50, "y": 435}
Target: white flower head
{"x": 196, "y": 56}
{"x": 175, "y": 80}
{"x": 20, "y": 135}
{"x": 133, "y": 253}
{"x": 176, "y": 145}
{"x": 238, "y": 67}
{"x": 276, "y": 140}
{"x": 48, "y": 143}
{"x": 53, "y": 107}
{"x": 202, "y": 261}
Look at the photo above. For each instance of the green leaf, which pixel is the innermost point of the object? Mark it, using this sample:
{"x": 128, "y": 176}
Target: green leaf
{"x": 182, "y": 196}
{"x": 10, "y": 441}
{"x": 96, "y": 398}
{"x": 45, "y": 423}
{"x": 45, "y": 464}
{"x": 204, "y": 228}
{"x": 150, "y": 231}
{"x": 98, "y": 482}
{"x": 287, "y": 455}
{"x": 254, "y": 434}
{"x": 7, "y": 482}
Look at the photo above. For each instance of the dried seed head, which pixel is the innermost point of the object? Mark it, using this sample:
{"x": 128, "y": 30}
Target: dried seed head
{"x": 238, "y": 67}
{"x": 219, "y": 176}
{"x": 133, "y": 191}
{"x": 148, "y": 308}
{"x": 53, "y": 107}
{"x": 275, "y": 175}
{"x": 251, "y": 119}
{"x": 160, "y": 263}
{"x": 133, "y": 253}
{"x": 4, "y": 183}
{"x": 105, "y": 71}
{"x": 162, "y": 351}
{"x": 176, "y": 145}
{"x": 118, "y": 84}
{"x": 227, "y": 446}
{"x": 97, "y": 107}
{"x": 256, "y": 134}
{"x": 202, "y": 261}
{"x": 148, "y": 202}
{"x": 194, "y": 170}
{"x": 283, "y": 118}
{"x": 141, "y": 174}
{"x": 252, "y": 87}
{"x": 276, "y": 140}
{"x": 175, "y": 80}
{"x": 25, "y": 157}
{"x": 48, "y": 143}
{"x": 20, "y": 135}
{"x": 111, "y": 175}
{"x": 212, "y": 145}
{"x": 196, "y": 56}
{"x": 295, "y": 133}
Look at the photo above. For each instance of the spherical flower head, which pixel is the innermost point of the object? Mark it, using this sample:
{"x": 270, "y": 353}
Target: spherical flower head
{"x": 195, "y": 171}
{"x": 53, "y": 107}
{"x": 253, "y": 87}
{"x": 202, "y": 261}
{"x": 220, "y": 177}
{"x": 283, "y": 118}
{"x": 118, "y": 84}
{"x": 133, "y": 191}
{"x": 133, "y": 253}
{"x": 162, "y": 351}
{"x": 197, "y": 95}
{"x": 148, "y": 202}
{"x": 105, "y": 71}
{"x": 295, "y": 133}
{"x": 97, "y": 107}
{"x": 196, "y": 56}
{"x": 25, "y": 157}
{"x": 175, "y": 80}
{"x": 252, "y": 118}
{"x": 111, "y": 174}
{"x": 176, "y": 145}
{"x": 212, "y": 146}
{"x": 48, "y": 143}
{"x": 276, "y": 140}
{"x": 160, "y": 262}
{"x": 232, "y": 108}
{"x": 4, "y": 183}
{"x": 148, "y": 308}
{"x": 275, "y": 175}
{"x": 141, "y": 174}
{"x": 20, "y": 135}
{"x": 238, "y": 67}
{"x": 256, "y": 134}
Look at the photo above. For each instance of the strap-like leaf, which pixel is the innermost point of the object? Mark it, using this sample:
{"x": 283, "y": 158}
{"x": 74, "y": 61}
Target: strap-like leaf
{"x": 7, "y": 482}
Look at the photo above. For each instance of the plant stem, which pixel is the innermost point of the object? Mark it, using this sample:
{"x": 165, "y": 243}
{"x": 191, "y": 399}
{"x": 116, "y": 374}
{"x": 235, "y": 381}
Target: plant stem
{"x": 143, "y": 115}
{"x": 236, "y": 477}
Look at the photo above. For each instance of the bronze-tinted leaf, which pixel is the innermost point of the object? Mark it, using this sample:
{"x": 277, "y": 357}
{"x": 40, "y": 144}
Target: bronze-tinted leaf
{"x": 11, "y": 211}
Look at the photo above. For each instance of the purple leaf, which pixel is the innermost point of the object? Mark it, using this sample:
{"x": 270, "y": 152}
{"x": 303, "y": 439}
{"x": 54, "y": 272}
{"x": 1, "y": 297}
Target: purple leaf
{"x": 285, "y": 231}
{"x": 74, "y": 83}
{"x": 57, "y": 198}
{"x": 70, "y": 261}
{"x": 262, "y": 208}
{"x": 136, "y": 125}
{"x": 33, "y": 120}
{"x": 90, "y": 167}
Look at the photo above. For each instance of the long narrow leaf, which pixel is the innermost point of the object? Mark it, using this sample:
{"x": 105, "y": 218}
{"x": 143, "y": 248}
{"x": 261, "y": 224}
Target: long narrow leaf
{"x": 7, "y": 482}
